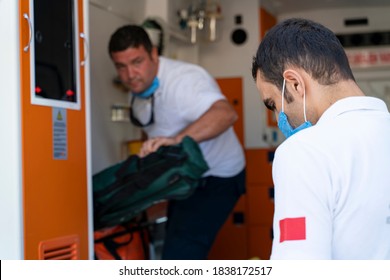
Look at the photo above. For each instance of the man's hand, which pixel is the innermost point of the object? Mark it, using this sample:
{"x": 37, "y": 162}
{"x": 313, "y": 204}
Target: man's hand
{"x": 152, "y": 145}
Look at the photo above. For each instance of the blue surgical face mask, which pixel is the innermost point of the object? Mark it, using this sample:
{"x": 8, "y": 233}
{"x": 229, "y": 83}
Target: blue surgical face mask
{"x": 150, "y": 90}
{"x": 283, "y": 123}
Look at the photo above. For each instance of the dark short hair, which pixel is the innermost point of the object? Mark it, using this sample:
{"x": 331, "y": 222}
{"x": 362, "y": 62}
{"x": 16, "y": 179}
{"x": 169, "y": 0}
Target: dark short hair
{"x": 129, "y": 36}
{"x": 305, "y": 44}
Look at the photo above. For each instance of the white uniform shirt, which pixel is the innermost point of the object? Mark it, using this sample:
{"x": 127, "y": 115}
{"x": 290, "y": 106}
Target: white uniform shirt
{"x": 332, "y": 185}
{"x": 186, "y": 92}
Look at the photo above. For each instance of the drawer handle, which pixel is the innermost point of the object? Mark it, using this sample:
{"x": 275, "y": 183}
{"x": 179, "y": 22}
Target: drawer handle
{"x": 86, "y": 48}
{"x": 26, "y": 17}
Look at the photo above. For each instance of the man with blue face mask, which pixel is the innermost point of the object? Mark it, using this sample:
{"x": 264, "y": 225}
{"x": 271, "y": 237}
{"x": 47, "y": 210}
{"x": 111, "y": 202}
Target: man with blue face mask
{"x": 332, "y": 185}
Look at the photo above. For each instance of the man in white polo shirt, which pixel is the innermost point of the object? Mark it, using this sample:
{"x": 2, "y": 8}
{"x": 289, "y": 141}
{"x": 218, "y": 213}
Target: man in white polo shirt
{"x": 170, "y": 100}
{"x": 331, "y": 174}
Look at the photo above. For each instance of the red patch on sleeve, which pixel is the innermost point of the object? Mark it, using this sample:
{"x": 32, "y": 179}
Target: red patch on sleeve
{"x": 292, "y": 229}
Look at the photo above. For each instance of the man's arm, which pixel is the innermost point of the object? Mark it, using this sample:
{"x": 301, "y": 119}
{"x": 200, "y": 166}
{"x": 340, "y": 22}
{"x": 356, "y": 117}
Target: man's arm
{"x": 215, "y": 121}
{"x": 303, "y": 202}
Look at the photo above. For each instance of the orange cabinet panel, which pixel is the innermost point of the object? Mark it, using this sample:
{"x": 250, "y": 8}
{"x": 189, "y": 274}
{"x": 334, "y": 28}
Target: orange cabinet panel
{"x": 260, "y": 204}
{"x": 260, "y": 242}
{"x": 266, "y": 22}
{"x": 259, "y": 166}
{"x": 254, "y": 238}
{"x": 232, "y": 89}
{"x": 231, "y": 241}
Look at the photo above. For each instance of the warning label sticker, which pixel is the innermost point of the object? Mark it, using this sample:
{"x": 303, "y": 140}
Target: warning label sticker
{"x": 60, "y": 135}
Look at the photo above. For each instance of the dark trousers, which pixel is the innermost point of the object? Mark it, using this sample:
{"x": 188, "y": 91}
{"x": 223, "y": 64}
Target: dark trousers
{"x": 193, "y": 223}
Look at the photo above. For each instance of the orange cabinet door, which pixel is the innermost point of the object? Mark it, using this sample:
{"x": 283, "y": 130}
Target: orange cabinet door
{"x": 260, "y": 242}
{"x": 54, "y": 191}
{"x": 259, "y": 166}
{"x": 231, "y": 242}
{"x": 232, "y": 89}
{"x": 260, "y": 204}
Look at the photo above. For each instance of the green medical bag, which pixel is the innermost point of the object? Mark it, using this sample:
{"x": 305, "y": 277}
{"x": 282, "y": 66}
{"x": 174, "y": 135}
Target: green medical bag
{"x": 124, "y": 190}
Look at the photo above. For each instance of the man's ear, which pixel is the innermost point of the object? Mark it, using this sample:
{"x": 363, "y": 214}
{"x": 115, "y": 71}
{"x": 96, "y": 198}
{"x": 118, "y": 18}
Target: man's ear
{"x": 154, "y": 54}
{"x": 295, "y": 82}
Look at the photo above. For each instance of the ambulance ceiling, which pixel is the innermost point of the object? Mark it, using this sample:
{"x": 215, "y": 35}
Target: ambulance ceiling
{"x": 277, "y": 7}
